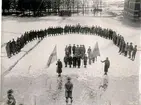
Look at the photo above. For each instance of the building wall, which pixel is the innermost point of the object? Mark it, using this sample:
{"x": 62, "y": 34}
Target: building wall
{"x": 132, "y": 9}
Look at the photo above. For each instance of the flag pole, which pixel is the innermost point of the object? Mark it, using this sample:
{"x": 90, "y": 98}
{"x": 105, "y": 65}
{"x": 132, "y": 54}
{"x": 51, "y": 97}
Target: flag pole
{"x": 56, "y": 51}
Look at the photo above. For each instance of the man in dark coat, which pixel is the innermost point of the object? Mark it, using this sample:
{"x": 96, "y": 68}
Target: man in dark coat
{"x": 68, "y": 90}
{"x": 126, "y": 49}
{"x": 73, "y": 49}
{"x": 8, "y": 51}
{"x": 74, "y": 59}
{"x": 78, "y": 61}
{"x": 107, "y": 65}
{"x": 13, "y": 45}
{"x": 59, "y": 67}
{"x": 66, "y": 60}
{"x": 67, "y": 51}
{"x": 69, "y": 48}
{"x": 85, "y": 60}
{"x": 134, "y": 52}
{"x": 70, "y": 60}
{"x": 84, "y": 50}
{"x": 123, "y": 47}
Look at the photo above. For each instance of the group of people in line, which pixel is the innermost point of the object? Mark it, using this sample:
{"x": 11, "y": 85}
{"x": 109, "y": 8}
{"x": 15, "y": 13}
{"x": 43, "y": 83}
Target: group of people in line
{"x": 13, "y": 47}
{"x": 125, "y": 48}
{"x": 75, "y": 54}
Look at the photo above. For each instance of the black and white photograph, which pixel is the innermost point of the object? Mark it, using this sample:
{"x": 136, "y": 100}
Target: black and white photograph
{"x": 70, "y": 52}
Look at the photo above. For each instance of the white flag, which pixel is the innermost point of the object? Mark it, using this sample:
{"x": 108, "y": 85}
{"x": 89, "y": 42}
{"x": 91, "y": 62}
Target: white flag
{"x": 96, "y": 51}
{"x": 52, "y": 57}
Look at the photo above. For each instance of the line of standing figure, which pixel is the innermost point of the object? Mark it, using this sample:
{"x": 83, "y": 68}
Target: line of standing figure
{"x": 14, "y": 47}
{"x": 125, "y": 49}
{"x": 75, "y": 56}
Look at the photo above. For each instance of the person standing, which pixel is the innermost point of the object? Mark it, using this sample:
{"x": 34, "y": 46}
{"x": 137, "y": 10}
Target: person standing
{"x": 85, "y": 60}
{"x": 11, "y": 100}
{"x": 13, "y": 45}
{"x": 69, "y": 48}
{"x": 74, "y": 59}
{"x": 66, "y": 60}
{"x": 89, "y": 54}
{"x": 8, "y": 51}
{"x": 68, "y": 90}
{"x": 77, "y": 50}
{"x": 107, "y": 65}
{"x": 70, "y": 60}
{"x": 78, "y": 61}
{"x": 59, "y": 67}
{"x": 66, "y": 51}
{"x": 84, "y": 50}
{"x": 134, "y": 52}
{"x": 130, "y": 49}
{"x": 73, "y": 49}
{"x": 81, "y": 51}
{"x": 126, "y": 49}
{"x": 123, "y": 47}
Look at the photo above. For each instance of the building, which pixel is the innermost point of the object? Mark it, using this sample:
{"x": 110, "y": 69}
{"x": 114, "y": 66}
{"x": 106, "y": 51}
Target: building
{"x": 132, "y": 9}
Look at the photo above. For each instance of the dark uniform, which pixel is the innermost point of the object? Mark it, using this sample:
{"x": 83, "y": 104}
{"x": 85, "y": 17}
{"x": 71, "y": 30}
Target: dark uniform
{"x": 85, "y": 61}
{"x": 107, "y": 65}
{"x": 66, "y": 51}
{"x": 74, "y": 59}
{"x": 73, "y": 49}
{"x": 8, "y": 49}
{"x": 134, "y": 52}
{"x": 59, "y": 67}
{"x": 13, "y": 49}
{"x": 83, "y": 50}
{"x": 69, "y": 49}
{"x": 68, "y": 90}
{"x": 79, "y": 61}
{"x": 66, "y": 60}
{"x": 11, "y": 100}
{"x": 126, "y": 49}
{"x": 70, "y": 61}
{"x": 130, "y": 49}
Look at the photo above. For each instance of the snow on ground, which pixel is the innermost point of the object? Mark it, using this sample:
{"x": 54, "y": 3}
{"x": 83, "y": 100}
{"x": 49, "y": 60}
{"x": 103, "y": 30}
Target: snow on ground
{"x": 42, "y": 82}
{"x": 6, "y": 61}
{"x": 32, "y": 80}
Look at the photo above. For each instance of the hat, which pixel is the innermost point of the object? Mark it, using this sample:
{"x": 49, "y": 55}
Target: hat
{"x": 69, "y": 78}
{"x": 10, "y": 91}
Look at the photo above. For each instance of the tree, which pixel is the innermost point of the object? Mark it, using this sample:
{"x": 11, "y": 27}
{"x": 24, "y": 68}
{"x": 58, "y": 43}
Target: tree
{"x": 6, "y": 4}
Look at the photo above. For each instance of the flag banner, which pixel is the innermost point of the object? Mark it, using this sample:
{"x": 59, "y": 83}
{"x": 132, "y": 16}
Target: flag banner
{"x": 52, "y": 57}
{"x": 96, "y": 51}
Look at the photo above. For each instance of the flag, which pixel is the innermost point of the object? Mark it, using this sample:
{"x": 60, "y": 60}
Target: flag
{"x": 95, "y": 51}
{"x": 52, "y": 57}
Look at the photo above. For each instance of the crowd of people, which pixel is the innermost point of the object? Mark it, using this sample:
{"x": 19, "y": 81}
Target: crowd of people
{"x": 74, "y": 55}
{"x": 125, "y": 49}
{"x": 14, "y": 47}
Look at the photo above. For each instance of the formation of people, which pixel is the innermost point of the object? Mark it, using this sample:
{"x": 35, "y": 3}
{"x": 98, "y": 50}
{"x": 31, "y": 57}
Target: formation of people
{"x": 76, "y": 56}
{"x": 14, "y": 47}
